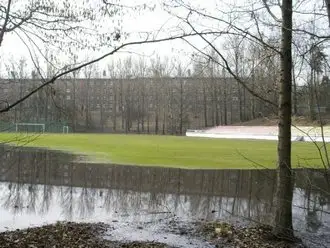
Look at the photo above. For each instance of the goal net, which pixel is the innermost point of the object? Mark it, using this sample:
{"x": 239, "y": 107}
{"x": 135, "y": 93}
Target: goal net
{"x": 30, "y": 127}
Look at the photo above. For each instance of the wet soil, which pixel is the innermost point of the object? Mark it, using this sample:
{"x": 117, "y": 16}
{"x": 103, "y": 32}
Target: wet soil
{"x": 223, "y": 234}
{"x": 69, "y": 234}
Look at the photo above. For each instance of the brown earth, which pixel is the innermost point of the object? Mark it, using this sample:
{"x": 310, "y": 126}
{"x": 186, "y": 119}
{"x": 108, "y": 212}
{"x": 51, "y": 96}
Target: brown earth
{"x": 83, "y": 235}
{"x": 66, "y": 235}
{"x": 260, "y": 236}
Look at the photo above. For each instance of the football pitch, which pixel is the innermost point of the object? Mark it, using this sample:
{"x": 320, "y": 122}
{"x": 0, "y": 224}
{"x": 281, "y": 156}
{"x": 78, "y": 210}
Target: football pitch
{"x": 169, "y": 151}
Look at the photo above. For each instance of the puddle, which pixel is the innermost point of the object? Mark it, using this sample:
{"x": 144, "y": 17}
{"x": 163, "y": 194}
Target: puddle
{"x": 39, "y": 187}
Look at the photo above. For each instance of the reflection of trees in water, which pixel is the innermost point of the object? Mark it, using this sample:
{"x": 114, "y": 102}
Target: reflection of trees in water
{"x": 314, "y": 203}
{"x": 83, "y": 189}
{"x": 66, "y": 199}
{"x": 108, "y": 198}
{"x": 86, "y": 201}
{"x": 14, "y": 199}
{"x": 32, "y": 198}
{"x": 46, "y": 197}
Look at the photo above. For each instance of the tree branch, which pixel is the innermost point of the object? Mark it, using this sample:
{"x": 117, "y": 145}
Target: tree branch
{"x": 4, "y": 26}
{"x": 227, "y": 67}
{"x": 59, "y": 75}
{"x": 20, "y": 23}
{"x": 243, "y": 32}
{"x": 269, "y": 11}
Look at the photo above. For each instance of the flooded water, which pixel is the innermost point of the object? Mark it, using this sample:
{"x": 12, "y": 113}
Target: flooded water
{"x": 40, "y": 186}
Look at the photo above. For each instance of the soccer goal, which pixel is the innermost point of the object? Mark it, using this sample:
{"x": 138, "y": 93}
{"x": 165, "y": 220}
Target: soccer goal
{"x": 30, "y": 127}
{"x": 65, "y": 129}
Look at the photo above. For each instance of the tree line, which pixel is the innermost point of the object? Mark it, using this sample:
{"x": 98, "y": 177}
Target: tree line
{"x": 159, "y": 97}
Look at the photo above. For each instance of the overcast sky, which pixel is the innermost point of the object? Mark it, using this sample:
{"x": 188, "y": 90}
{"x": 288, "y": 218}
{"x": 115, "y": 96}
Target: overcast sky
{"x": 157, "y": 22}
{"x": 161, "y": 24}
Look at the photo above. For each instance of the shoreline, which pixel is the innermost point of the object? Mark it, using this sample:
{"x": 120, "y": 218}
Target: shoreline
{"x": 72, "y": 234}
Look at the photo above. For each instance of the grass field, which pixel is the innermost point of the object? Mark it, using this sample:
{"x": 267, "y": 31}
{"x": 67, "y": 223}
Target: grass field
{"x": 170, "y": 151}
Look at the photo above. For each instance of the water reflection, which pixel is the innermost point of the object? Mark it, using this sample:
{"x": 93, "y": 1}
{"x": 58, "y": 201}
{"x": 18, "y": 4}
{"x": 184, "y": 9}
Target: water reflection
{"x": 42, "y": 186}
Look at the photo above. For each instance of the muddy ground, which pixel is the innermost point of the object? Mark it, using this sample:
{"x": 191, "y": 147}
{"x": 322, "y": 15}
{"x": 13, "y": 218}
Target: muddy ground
{"x": 66, "y": 234}
{"x": 82, "y": 235}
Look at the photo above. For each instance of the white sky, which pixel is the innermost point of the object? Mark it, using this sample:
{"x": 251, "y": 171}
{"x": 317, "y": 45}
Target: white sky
{"x": 157, "y": 22}
{"x": 161, "y": 23}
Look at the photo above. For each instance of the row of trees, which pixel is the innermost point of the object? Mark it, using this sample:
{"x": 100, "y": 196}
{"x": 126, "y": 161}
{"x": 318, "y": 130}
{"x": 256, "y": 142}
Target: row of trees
{"x": 163, "y": 96}
{"x": 135, "y": 96}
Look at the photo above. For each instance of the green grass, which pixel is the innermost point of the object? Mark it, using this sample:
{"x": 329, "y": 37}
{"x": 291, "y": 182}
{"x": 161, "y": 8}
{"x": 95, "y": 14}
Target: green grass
{"x": 171, "y": 151}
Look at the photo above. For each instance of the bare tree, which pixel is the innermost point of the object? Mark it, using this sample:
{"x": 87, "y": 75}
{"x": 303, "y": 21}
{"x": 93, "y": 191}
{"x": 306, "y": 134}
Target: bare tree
{"x": 112, "y": 73}
{"x": 140, "y": 72}
{"x": 284, "y": 192}
{"x": 88, "y": 70}
{"x": 229, "y": 26}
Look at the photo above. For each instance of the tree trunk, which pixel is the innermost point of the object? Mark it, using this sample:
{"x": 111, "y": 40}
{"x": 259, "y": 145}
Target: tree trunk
{"x": 230, "y": 101}
{"x": 114, "y": 107}
{"x": 295, "y": 103}
{"x": 240, "y": 102}
{"x": 205, "y": 104}
{"x": 217, "y": 103}
{"x": 148, "y": 124}
{"x": 102, "y": 110}
{"x": 157, "y": 109}
{"x": 87, "y": 110}
{"x": 21, "y": 105}
{"x": 253, "y": 98}
{"x": 46, "y": 107}
{"x": 214, "y": 103}
{"x": 244, "y": 105}
{"x": 122, "y": 105}
{"x": 156, "y": 122}
{"x": 102, "y": 117}
{"x": 143, "y": 109}
{"x": 181, "y": 107}
{"x": 164, "y": 120}
{"x": 225, "y": 108}
{"x": 312, "y": 100}
{"x": 284, "y": 192}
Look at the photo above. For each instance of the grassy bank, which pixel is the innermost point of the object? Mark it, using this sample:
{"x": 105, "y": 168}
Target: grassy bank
{"x": 170, "y": 151}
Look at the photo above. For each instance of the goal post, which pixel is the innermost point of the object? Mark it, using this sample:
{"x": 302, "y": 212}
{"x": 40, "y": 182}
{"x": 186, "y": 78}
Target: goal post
{"x": 30, "y": 127}
{"x": 65, "y": 129}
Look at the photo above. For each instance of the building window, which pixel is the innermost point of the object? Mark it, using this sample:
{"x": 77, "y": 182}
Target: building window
{"x": 68, "y": 97}
{"x": 68, "y": 90}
